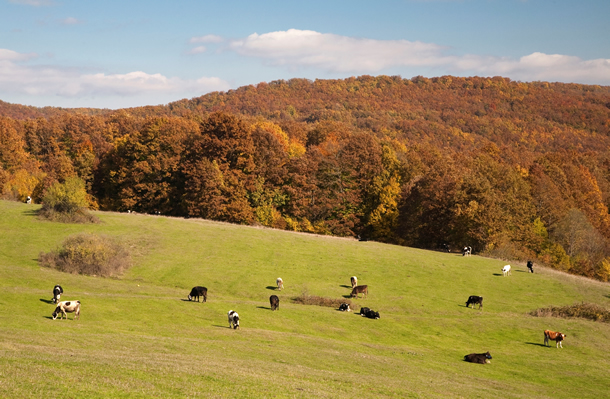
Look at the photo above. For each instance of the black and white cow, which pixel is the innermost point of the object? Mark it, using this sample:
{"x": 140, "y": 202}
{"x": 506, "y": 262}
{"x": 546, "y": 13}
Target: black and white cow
{"x": 474, "y": 300}
{"x": 233, "y": 319}
{"x": 57, "y": 291}
{"x": 467, "y": 251}
{"x": 274, "y": 301}
{"x": 197, "y": 292}
{"x": 480, "y": 358}
{"x": 344, "y": 307}
{"x": 530, "y": 266}
{"x": 67, "y": 307}
{"x": 369, "y": 313}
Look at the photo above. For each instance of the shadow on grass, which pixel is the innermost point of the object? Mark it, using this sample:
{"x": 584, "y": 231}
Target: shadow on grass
{"x": 219, "y": 326}
{"x": 30, "y": 212}
{"x": 48, "y": 317}
{"x": 537, "y": 344}
{"x": 271, "y": 287}
{"x": 346, "y": 296}
{"x": 47, "y": 301}
{"x": 521, "y": 271}
{"x": 498, "y": 274}
{"x": 346, "y": 286}
{"x": 263, "y": 307}
{"x": 187, "y": 300}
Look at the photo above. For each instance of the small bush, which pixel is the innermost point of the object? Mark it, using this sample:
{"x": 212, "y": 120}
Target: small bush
{"x": 305, "y": 299}
{"x": 67, "y": 202}
{"x": 588, "y": 311}
{"x": 88, "y": 254}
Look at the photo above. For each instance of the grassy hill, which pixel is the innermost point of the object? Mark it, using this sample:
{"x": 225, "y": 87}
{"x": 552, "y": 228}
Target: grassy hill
{"x": 139, "y": 337}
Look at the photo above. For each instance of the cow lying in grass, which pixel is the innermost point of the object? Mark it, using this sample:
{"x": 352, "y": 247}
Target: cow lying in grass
{"x": 369, "y": 313}
{"x": 67, "y": 307}
{"x": 233, "y": 319}
{"x": 274, "y": 301}
{"x": 474, "y": 300}
{"x": 480, "y": 358}
{"x": 360, "y": 289}
{"x": 344, "y": 307}
{"x": 57, "y": 291}
{"x": 197, "y": 292}
{"x": 555, "y": 336}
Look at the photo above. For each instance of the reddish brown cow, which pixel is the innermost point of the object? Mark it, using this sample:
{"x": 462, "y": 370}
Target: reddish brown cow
{"x": 360, "y": 289}
{"x": 555, "y": 336}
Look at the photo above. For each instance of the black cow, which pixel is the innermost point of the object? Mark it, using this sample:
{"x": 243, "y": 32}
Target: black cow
{"x": 369, "y": 313}
{"x": 274, "y": 301}
{"x": 474, "y": 300}
{"x": 530, "y": 266}
{"x": 480, "y": 358}
{"x": 197, "y": 292}
{"x": 57, "y": 291}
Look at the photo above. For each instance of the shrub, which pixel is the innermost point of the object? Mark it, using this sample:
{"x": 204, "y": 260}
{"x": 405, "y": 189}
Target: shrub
{"x": 88, "y": 254}
{"x": 67, "y": 202}
{"x": 305, "y": 299}
{"x": 589, "y": 311}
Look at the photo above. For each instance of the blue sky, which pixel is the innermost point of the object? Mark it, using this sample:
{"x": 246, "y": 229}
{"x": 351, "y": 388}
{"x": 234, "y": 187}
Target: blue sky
{"x": 116, "y": 54}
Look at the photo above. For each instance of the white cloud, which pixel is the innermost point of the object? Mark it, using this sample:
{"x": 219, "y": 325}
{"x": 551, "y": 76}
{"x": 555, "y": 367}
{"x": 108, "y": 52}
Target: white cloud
{"x": 206, "y": 39}
{"x": 18, "y": 79}
{"x": 334, "y": 53}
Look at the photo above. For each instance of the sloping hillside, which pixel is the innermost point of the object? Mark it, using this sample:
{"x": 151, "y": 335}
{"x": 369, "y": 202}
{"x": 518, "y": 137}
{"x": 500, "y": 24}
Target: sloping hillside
{"x": 139, "y": 337}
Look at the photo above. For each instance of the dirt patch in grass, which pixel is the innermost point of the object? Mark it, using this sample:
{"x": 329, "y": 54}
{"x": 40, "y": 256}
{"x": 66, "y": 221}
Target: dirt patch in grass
{"x": 305, "y": 299}
{"x": 588, "y": 311}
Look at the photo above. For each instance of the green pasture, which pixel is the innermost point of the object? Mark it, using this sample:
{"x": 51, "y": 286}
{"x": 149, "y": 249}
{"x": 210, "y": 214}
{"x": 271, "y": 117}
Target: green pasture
{"x": 139, "y": 336}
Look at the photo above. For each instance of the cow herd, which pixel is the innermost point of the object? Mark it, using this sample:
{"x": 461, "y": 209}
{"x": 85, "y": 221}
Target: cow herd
{"x": 200, "y": 292}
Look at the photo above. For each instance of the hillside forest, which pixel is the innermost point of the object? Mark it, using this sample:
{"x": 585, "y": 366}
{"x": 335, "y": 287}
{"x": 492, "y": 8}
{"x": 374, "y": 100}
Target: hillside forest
{"x": 514, "y": 170}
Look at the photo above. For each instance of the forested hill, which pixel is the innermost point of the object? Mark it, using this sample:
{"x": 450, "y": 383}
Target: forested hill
{"x": 510, "y": 168}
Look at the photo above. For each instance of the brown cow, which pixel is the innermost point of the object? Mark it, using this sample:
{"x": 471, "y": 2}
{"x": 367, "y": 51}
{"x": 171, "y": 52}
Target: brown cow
{"x": 555, "y": 336}
{"x": 274, "y": 301}
{"x": 360, "y": 289}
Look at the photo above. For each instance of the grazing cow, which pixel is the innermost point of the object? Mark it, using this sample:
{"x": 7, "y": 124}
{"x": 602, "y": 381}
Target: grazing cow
{"x": 360, "y": 289}
{"x": 555, "y": 336}
{"x": 67, "y": 307}
{"x": 467, "y": 251}
{"x": 344, "y": 307}
{"x": 474, "y": 300}
{"x": 480, "y": 358}
{"x": 197, "y": 292}
{"x": 233, "y": 319}
{"x": 57, "y": 291}
{"x": 530, "y": 266}
{"x": 274, "y": 301}
{"x": 369, "y": 313}
{"x": 506, "y": 270}
{"x": 280, "y": 283}
{"x": 354, "y": 281}
{"x": 28, "y": 200}
{"x": 445, "y": 247}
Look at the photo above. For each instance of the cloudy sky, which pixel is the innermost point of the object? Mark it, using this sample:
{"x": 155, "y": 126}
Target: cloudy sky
{"x": 115, "y": 54}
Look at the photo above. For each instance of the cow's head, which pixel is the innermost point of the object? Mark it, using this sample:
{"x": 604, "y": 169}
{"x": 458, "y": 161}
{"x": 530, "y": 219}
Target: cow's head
{"x": 56, "y": 312}
{"x": 190, "y": 297}
{"x": 487, "y": 355}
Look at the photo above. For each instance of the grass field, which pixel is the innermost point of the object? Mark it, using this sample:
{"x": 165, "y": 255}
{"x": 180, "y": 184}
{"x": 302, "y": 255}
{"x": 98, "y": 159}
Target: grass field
{"x": 140, "y": 337}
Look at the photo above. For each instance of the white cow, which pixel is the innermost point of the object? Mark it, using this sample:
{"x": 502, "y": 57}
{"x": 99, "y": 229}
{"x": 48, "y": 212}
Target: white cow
{"x": 280, "y": 283}
{"x": 354, "y": 281}
{"x": 67, "y": 307}
{"x": 233, "y": 319}
{"x": 506, "y": 270}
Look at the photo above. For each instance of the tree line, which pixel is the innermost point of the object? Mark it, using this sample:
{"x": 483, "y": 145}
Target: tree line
{"x": 515, "y": 170}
